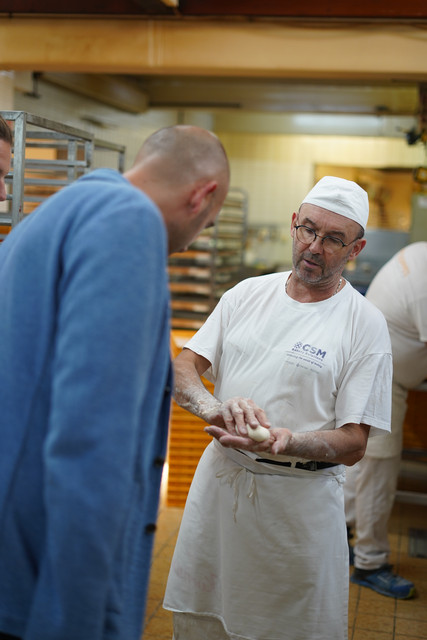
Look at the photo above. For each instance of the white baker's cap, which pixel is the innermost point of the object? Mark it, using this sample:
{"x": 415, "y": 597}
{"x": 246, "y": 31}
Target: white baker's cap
{"x": 340, "y": 196}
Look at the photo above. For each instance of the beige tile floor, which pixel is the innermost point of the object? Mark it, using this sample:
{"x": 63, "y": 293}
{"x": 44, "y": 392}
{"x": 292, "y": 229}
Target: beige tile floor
{"x": 371, "y": 616}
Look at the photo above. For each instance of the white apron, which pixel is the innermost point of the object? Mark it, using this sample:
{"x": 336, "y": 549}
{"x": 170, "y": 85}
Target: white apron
{"x": 264, "y": 549}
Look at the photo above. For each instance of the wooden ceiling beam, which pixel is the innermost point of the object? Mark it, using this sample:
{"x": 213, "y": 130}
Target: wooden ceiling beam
{"x": 209, "y": 48}
{"x": 115, "y": 91}
{"x": 393, "y": 10}
{"x": 366, "y": 9}
{"x": 88, "y": 7}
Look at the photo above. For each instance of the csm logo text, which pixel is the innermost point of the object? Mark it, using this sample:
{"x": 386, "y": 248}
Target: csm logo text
{"x": 308, "y": 349}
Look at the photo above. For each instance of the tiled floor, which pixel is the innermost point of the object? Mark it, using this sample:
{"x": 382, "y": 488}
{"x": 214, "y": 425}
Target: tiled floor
{"x": 371, "y": 616}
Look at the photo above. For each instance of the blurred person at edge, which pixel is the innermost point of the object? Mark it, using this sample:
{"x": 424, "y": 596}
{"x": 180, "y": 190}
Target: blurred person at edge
{"x": 6, "y": 141}
{"x": 399, "y": 290}
{"x": 262, "y": 550}
{"x": 85, "y": 380}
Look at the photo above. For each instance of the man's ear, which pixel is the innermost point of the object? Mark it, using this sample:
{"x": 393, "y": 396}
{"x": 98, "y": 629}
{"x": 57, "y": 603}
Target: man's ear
{"x": 357, "y": 248}
{"x": 293, "y": 221}
{"x": 201, "y": 195}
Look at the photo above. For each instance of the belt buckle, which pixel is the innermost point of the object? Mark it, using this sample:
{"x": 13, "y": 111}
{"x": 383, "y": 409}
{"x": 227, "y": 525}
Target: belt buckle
{"x": 311, "y": 465}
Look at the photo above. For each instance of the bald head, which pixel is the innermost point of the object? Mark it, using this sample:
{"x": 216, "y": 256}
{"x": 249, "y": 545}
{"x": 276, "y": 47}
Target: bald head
{"x": 184, "y": 169}
{"x": 184, "y": 153}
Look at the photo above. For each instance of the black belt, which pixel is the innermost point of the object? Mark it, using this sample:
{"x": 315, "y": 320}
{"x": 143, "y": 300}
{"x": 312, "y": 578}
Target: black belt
{"x": 312, "y": 465}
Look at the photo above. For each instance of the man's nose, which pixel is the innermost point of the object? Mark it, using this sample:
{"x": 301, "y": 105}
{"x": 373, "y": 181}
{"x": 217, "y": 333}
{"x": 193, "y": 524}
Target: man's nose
{"x": 316, "y": 245}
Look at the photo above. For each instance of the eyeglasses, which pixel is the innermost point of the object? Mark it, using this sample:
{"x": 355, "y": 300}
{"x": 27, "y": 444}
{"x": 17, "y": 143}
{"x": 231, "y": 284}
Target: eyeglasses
{"x": 330, "y": 244}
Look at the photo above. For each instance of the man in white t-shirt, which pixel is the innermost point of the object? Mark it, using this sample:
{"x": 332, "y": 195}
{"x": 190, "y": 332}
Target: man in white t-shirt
{"x": 262, "y": 550}
{"x": 399, "y": 290}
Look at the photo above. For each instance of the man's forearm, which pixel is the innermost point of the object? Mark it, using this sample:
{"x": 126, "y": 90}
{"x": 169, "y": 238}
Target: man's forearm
{"x": 345, "y": 445}
{"x": 191, "y": 394}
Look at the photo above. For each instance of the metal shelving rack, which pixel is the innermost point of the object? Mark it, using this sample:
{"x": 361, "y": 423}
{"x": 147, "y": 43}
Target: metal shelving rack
{"x": 213, "y": 263}
{"x": 47, "y": 156}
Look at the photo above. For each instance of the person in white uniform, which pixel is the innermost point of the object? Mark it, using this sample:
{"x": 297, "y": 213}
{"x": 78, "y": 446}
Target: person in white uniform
{"x": 399, "y": 290}
{"x": 262, "y": 550}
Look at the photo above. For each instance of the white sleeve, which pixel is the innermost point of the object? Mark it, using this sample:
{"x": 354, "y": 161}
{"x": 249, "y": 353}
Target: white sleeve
{"x": 364, "y": 396}
{"x": 419, "y": 314}
{"x": 208, "y": 341}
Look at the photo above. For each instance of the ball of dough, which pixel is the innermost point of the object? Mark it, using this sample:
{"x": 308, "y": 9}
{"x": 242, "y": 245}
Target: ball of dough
{"x": 259, "y": 433}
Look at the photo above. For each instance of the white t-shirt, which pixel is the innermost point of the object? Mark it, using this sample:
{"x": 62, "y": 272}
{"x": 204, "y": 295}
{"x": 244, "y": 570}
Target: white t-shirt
{"x": 399, "y": 290}
{"x": 310, "y": 366}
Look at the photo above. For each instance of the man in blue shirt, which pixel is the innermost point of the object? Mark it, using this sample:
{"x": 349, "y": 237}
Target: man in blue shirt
{"x": 85, "y": 382}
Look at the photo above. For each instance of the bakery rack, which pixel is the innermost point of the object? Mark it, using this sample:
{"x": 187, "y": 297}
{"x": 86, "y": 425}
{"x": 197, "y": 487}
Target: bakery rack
{"x": 213, "y": 263}
{"x": 47, "y": 156}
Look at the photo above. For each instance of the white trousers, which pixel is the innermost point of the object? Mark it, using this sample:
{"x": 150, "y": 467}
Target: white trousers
{"x": 370, "y": 489}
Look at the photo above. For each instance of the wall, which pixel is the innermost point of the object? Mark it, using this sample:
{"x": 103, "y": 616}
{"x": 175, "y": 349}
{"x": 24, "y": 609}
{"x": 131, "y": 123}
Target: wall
{"x": 275, "y": 170}
{"x": 278, "y": 170}
{"x": 121, "y": 128}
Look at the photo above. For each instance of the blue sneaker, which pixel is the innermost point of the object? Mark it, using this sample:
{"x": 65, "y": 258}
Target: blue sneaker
{"x": 383, "y": 581}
